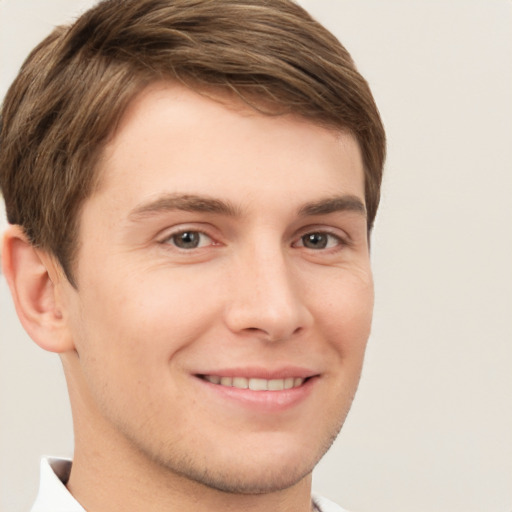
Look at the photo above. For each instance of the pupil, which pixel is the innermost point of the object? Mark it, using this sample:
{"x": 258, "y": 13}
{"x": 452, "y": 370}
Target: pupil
{"x": 315, "y": 241}
{"x": 187, "y": 240}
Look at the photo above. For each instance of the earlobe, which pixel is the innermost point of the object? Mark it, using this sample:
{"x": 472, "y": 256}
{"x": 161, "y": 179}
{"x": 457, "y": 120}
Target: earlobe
{"x": 33, "y": 277}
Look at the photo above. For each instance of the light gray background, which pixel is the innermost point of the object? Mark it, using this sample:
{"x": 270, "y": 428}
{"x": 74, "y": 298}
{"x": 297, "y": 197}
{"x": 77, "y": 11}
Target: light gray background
{"x": 431, "y": 428}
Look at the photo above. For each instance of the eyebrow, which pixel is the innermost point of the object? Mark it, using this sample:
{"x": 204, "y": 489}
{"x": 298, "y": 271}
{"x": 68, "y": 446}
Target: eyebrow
{"x": 184, "y": 202}
{"x": 196, "y": 203}
{"x": 333, "y": 204}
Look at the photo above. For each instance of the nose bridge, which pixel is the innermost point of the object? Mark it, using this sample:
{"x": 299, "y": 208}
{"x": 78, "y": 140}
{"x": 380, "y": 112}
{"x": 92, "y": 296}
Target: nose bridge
{"x": 266, "y": 295}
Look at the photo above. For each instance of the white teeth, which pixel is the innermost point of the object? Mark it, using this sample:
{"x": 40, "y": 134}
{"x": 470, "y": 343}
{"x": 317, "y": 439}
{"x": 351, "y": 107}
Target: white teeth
{"x": 275, "y": 385}
{"x": 256, "y": 384}
{"x": 226, "y": 381}
{"x": 240, "y": 382}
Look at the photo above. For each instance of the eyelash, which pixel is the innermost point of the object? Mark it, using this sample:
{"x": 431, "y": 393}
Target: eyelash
{"x": 171, "y": 239}
{"x": 339, "y": 242}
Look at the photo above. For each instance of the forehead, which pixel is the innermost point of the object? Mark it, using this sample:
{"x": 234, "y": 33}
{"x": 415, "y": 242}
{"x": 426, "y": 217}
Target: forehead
{"x": 171, "y": 136}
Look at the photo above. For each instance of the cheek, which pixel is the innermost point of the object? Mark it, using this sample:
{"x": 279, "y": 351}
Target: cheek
{"x": 143, "y": 323}
{"x": 129, "y": 342}
{"x": 346, "y": 314}
{"x": 347, "y": 318}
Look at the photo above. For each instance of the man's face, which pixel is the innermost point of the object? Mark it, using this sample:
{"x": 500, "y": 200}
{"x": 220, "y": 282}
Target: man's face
{"x": 224, "y": 290}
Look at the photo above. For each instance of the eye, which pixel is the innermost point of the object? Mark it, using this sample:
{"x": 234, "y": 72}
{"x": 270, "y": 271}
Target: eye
{"x": 319, "y": 240}
{"x": 189, "y": 240}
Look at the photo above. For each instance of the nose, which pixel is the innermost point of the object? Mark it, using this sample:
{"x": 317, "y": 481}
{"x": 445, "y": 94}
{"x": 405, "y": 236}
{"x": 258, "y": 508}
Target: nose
{"x": 267, "y": 298}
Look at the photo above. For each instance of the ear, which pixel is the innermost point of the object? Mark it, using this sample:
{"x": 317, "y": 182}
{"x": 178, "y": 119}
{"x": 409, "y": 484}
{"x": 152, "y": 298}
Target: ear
{"x": 34, "y": 278}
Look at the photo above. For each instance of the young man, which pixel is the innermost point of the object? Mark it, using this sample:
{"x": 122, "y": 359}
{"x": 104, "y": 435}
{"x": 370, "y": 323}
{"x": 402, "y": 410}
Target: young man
{"x": 191, "y": 186}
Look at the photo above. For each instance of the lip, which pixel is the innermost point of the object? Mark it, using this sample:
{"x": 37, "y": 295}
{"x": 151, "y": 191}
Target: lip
{"x": 260, "y": 401}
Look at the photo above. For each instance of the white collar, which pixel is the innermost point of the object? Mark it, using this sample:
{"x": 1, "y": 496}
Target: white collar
{"x": 53, "y": 495}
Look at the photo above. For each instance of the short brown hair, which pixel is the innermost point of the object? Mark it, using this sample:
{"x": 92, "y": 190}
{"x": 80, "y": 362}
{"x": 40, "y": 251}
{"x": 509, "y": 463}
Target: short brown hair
{"x": 75, "y": 85}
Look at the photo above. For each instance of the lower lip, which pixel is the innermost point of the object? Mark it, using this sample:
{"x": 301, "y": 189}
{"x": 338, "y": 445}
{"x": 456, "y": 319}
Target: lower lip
{"x": 262, "y": 401}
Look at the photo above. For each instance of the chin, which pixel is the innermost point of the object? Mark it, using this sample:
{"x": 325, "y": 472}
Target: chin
{"x": 268, "y": 467}
{"x": 251, "y": 480}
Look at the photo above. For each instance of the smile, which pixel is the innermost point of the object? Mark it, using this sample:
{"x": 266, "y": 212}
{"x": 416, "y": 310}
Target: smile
{"x": 255, "y": 384}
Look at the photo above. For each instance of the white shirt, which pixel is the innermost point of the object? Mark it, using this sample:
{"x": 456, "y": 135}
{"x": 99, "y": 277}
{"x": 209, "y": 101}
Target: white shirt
{"x": 54, "y": 497}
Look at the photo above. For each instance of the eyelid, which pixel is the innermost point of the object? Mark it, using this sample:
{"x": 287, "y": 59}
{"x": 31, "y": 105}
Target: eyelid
{"x": 339, "y": 242}
{"x": 166, "y": 235}
{"x": 338, "y": 233}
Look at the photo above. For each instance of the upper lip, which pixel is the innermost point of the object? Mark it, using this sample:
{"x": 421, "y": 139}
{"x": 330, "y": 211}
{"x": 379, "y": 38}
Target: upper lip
{"x": 262, "y": 373}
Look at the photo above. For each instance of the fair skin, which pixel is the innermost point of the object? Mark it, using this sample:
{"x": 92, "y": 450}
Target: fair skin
{"x": 221, "y": 243}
